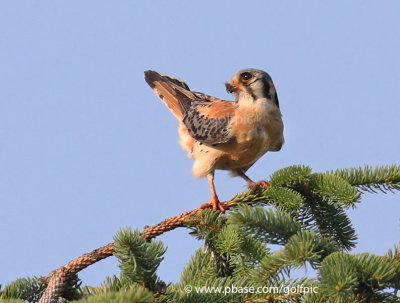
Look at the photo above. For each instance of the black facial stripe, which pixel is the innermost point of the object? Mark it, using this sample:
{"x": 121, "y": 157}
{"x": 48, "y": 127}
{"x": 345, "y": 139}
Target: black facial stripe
{"x": 276, "y": 100}
{"x": 266, "y": 88}
{"x": 250, "y": 92}
{"x": 266, "y": 91}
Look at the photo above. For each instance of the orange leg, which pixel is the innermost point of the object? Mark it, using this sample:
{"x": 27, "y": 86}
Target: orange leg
{"x": 253, "y": 184}
{"x": 214, "y": 202}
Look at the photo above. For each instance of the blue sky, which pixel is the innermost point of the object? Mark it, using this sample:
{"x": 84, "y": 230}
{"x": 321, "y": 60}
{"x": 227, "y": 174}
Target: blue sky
{"x": 87, "y": 148}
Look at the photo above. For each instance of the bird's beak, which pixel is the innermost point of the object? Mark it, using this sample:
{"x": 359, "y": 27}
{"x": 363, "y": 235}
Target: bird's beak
{"x": 231, "y": 87}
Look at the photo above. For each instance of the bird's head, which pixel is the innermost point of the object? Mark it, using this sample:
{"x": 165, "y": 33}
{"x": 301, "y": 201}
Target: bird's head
{"x": 252, "y": 83}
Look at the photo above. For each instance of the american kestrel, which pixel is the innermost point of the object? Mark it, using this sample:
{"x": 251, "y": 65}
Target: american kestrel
{"x": 221, "y": 134}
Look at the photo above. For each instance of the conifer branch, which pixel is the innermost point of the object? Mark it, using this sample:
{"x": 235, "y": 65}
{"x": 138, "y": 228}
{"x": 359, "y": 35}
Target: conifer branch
{"x": 303, "y": 201}
{"x": 383, "y": 178}
{"x": 58, "y": 279}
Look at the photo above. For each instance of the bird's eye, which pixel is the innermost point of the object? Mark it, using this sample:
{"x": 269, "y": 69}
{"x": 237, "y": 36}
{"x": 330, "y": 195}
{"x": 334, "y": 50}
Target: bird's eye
{"x": 246, "y": 76}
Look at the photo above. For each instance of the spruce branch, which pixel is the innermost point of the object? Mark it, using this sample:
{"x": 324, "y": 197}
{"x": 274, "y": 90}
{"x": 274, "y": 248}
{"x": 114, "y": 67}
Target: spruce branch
{"x": 334, "y": 189}
{"x": 394, "y": 255}
{"x": 27, "y": 289}
{"x": 291, "y": 176}
{"x": 377, "y": 271}
{"x": 229, "y": 241}
{"x": 252, "y": 252}
{"x": 383, "y": 178}
{"x": 357, "y": 278}
{"x": 303, "y": 201}
{"x": 200, "y": 268}
{"x": 304, "y": 246}
{"x": 138, "y": 258}
{"x": 134, "y": 294}
{"x": 270, "y": 226}
{"x": 57, "y": 280}
{"x": 328, "y": 220}
{"x": 339, "y": 277}
{"x": 279, "y": 295}
{"x": 285, "y": 199}
{"x": 205, "y": 225}
{"x": 112, "y": 283}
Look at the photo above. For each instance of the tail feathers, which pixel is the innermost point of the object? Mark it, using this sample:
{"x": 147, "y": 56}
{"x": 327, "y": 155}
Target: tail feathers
{"x": 177, "y": 81}
{"x": 175, "y": 93}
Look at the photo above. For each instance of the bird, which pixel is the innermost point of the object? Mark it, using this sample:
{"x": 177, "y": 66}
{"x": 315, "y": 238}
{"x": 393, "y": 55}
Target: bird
{"x": 224, "y": 134}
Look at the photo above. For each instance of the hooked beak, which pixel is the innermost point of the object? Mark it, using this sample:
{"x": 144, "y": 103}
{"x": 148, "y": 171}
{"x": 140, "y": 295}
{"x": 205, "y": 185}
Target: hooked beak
{"x": 231, "y": 88}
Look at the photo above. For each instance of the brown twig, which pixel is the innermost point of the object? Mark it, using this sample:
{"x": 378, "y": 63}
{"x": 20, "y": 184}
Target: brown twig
{"x": 58, "y": 279}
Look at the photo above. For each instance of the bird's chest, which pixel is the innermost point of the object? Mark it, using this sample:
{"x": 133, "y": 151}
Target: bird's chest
{"x": 255, "y": 130}
{"x": 252, "y": 125}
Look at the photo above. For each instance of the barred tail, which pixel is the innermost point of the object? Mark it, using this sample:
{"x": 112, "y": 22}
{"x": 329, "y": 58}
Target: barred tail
{"x": 175, "y": 93}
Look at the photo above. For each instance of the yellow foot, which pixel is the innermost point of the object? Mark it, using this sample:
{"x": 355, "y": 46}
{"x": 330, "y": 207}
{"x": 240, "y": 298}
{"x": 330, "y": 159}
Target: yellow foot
{"x": 215, "y": 204}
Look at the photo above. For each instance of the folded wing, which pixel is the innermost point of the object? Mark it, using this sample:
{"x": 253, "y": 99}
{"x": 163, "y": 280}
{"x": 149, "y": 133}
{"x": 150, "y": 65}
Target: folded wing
{"x": 208, "y": 121}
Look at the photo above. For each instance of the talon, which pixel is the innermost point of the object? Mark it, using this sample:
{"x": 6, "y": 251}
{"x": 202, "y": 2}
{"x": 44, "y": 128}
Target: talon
{"x": 215, "y": 204}
{"x": 221, "y": 207}
{"x": 252, "y": 184}
{"x": 262, "y": 183}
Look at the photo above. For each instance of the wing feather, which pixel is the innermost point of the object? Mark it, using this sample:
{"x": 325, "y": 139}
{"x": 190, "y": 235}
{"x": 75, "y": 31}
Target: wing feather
{"x": 173, "y": 92}
{"x": 208, "y": 121}
{"x": 206, "y": 118}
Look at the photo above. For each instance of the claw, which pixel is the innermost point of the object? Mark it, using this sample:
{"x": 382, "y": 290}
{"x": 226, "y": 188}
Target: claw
{"x": 262, "y": 183}
{"x": 252, "y": 184}
{"x": 215, "y": 204}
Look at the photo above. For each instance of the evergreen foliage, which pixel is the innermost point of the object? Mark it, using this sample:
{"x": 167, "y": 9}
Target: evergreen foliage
{"x": 300, "y": 221}
{"x": 27, "y": 289}
{"x": 133, "y": 294}
{"x": 138, "y": 258}
{"x": 31, "y": 290}
{"x": 383, "y": 178}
